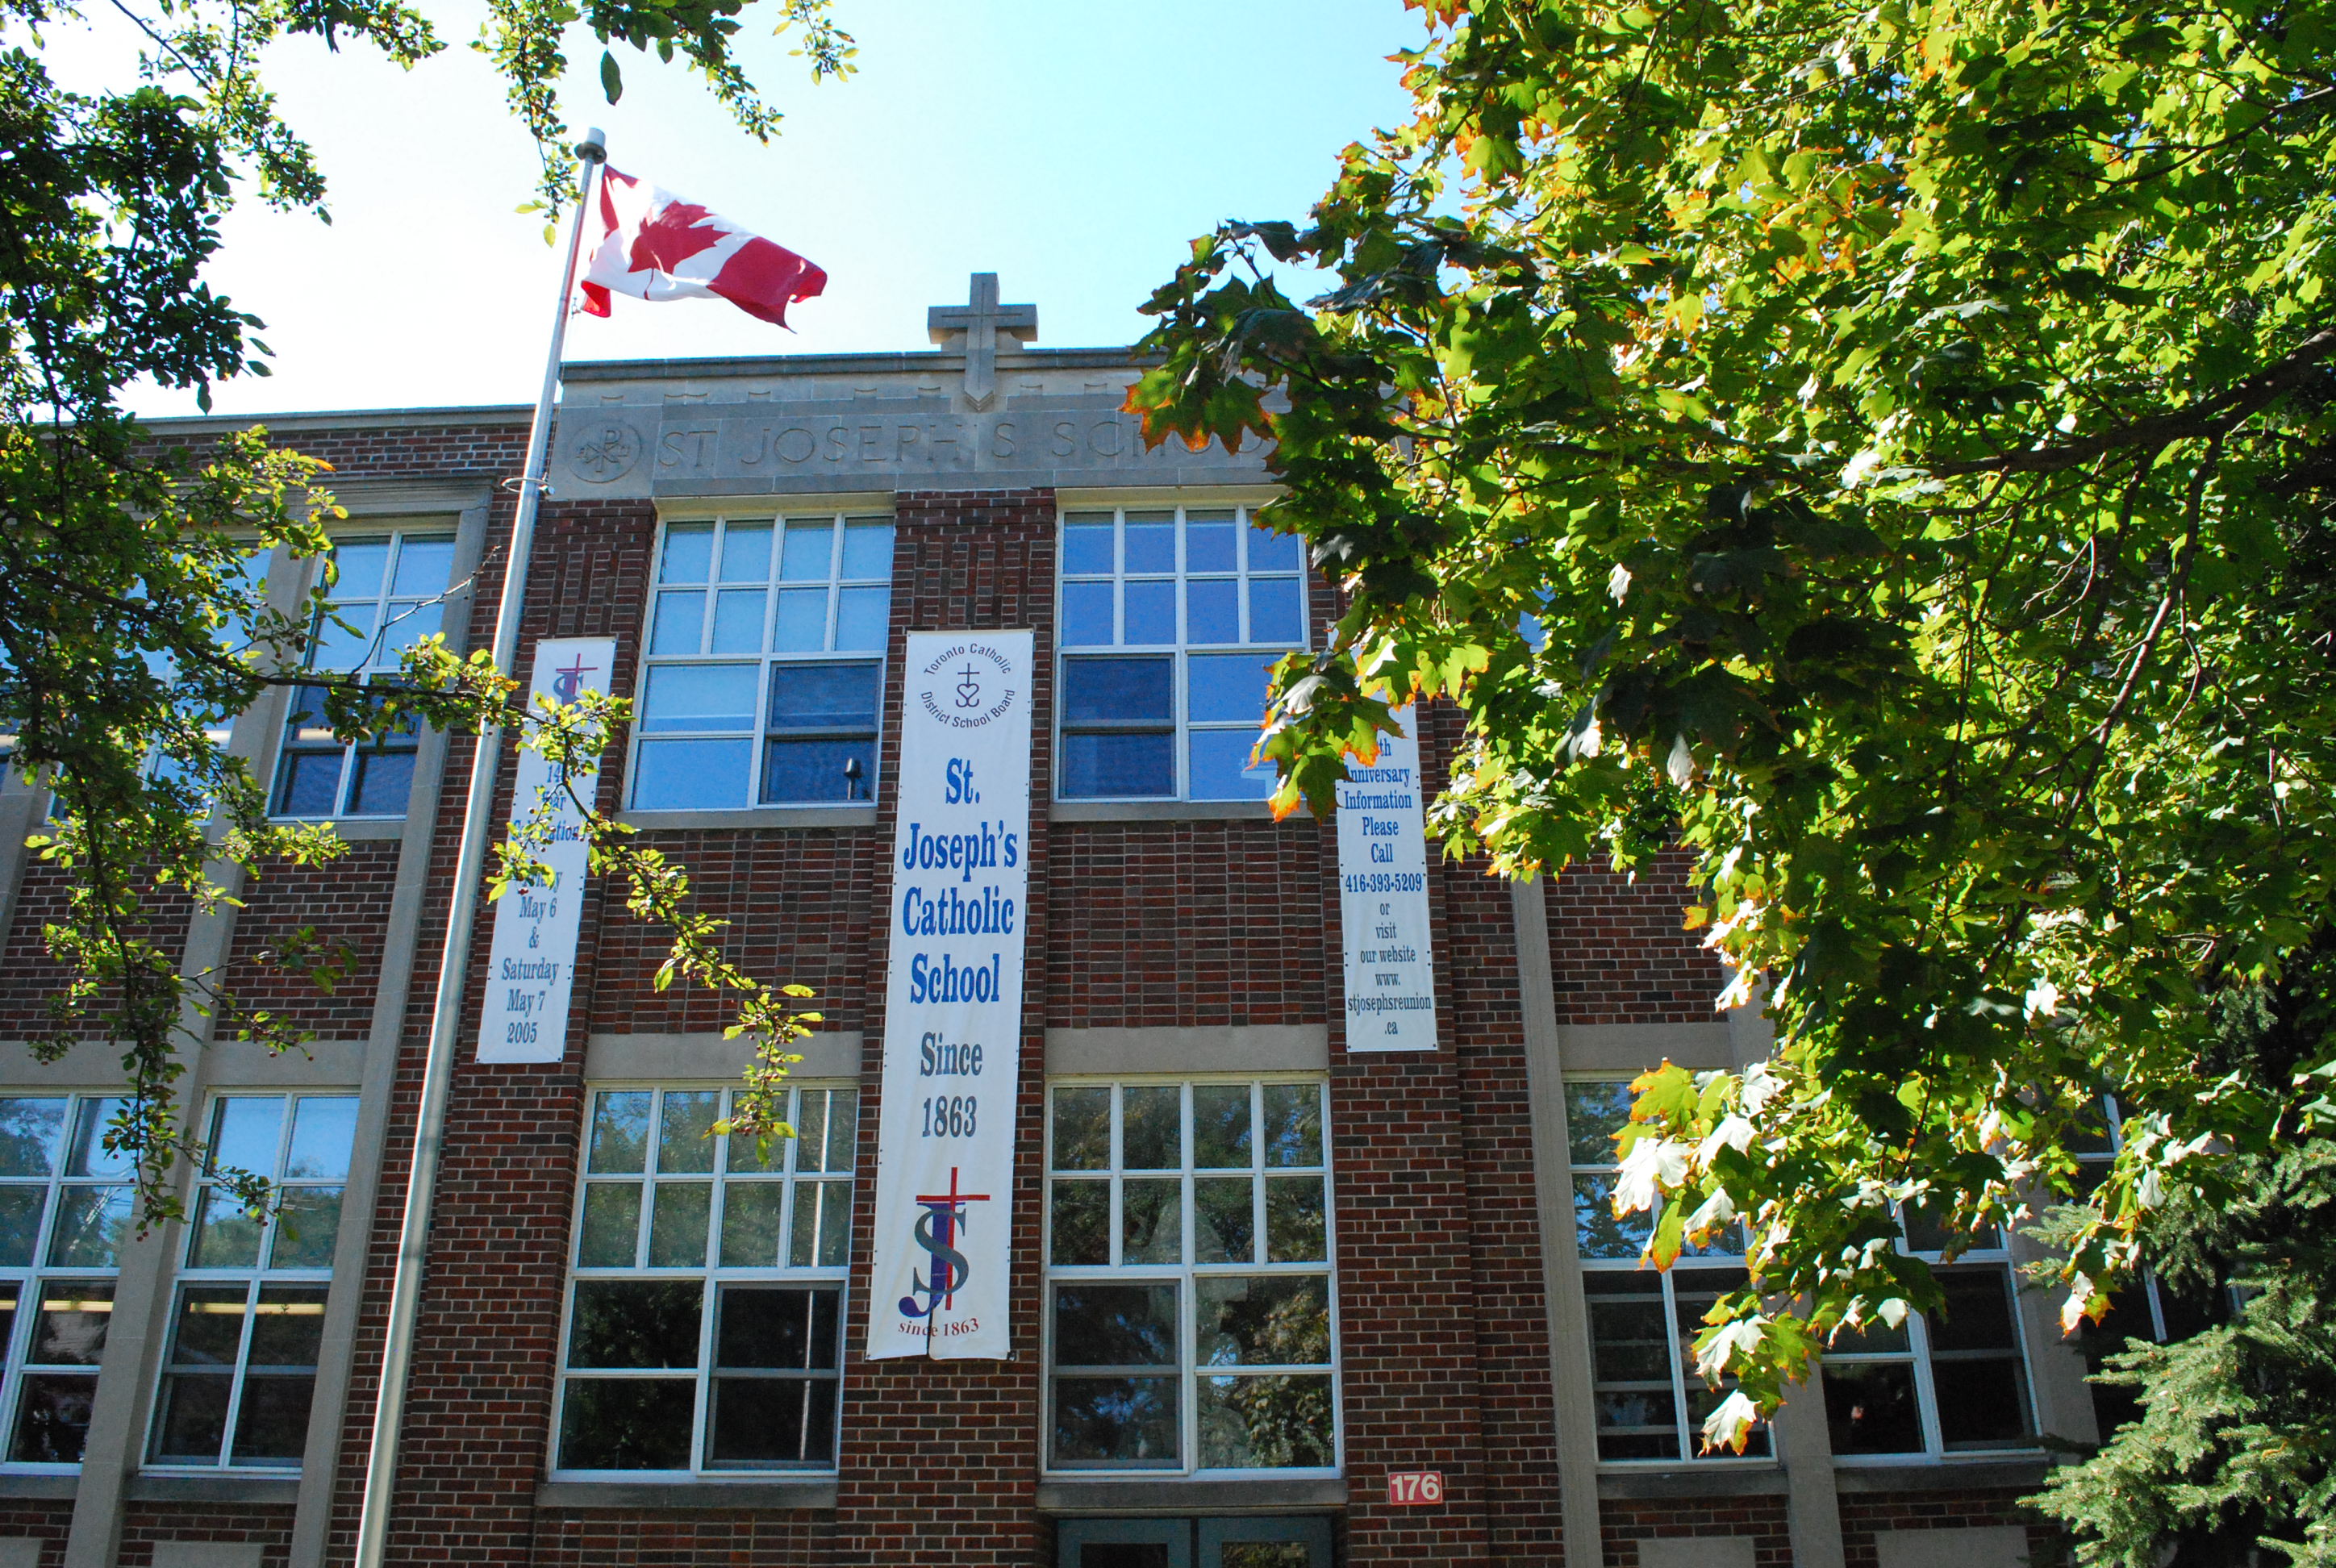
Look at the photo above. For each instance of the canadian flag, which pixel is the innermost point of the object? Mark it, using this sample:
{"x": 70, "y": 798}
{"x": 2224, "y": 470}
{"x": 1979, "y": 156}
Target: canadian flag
{"x": 655, "y": 246}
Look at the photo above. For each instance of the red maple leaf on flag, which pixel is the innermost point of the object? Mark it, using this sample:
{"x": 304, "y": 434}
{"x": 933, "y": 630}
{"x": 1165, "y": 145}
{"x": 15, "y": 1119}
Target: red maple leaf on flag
{"x": 648, "y": 234}
{"x": 677, "y": 231}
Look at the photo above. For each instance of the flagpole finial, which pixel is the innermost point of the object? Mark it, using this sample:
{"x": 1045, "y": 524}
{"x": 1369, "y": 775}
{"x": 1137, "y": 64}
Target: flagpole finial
{"x": 594, "y": 147}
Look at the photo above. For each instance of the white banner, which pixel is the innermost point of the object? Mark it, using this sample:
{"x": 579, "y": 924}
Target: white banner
{"x": 1383, "y": 900}
{"x": 953, "y": 1000}
{"x": 533, "y": 970}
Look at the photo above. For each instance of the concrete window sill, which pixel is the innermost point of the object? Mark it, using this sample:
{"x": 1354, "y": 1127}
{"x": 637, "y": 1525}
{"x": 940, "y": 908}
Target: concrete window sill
{"x": 1120, "y": 1495}
{"x": 219, "y": 1488}
{"x": 1159, "y": 811}
{"x": 753, "y": 819}
{"x": 1702, "y": 1481}
{"x": 812, "y": 1492}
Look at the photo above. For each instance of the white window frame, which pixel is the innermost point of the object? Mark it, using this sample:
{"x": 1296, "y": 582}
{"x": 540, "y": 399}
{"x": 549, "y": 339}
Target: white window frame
{"x": 259, "y": 1275}
{"x": 767, "y": 660}
{"x": 1180, "y": 652}
{"x": 381, "y": 657}
{"x": 1184, "y": 1274}
{"x": 1934, "y": 1450}
{"x": 1683, "y": 1379}
{"x": 712, "y": 1277}
{"x": 31, "y": 1281}
{"x": 1917, "y": 1352}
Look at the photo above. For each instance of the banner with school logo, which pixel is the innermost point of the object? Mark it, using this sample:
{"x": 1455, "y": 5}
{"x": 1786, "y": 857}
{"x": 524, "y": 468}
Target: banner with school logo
{"x": 531, "y": 973}
{"x": 953, "y": 998}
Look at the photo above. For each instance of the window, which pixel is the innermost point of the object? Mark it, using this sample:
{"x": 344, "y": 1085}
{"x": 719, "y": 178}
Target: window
{"x": 249, "y": 577}
{"x": 240, "y": 1372}
{"x": 764, "y": 671}
{"x": 2148, "y": 1309}
{"x": 707, "y": 1303}
{"x": 1651, "y": 1402}
{"x": 65, "y": 1209}
{"x": 388, "y": 597}
{"x": 1189, "y": 1300}
{"x": 1170, "y": 621}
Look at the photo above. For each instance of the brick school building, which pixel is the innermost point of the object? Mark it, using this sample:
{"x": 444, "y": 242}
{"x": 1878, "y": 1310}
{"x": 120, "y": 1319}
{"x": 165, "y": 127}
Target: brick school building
{"x": 1273, "y": 1299}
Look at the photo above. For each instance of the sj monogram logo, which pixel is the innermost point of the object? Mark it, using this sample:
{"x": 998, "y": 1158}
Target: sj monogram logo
{"x": 937, "y": 1230}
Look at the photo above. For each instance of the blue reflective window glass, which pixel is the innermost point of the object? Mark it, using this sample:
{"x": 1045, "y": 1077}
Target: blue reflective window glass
{"x": 802, "y": 771}
{"x": 1275, "y": 613}
{"x": 1150, "y": 608}
{"x": 680, "y": 621}
{"x": 345, "y": 639}
{"x": 312, "y": 784}
{"x": 862, "y": 617}
{"x": 737, "y": 621}
{"x": 1211, "y": 542}
{"x": 1087, "y": 614}
{"x": 802, "y": 621}
{"x": 1150, "y": 541}
{"x": 358, "y": 569}
{"x": 383, "y": 785}
{"x": 688, "y": 553}
{"x": 1088, "y": 544}
{"x": 1117, "y": 691}
{"x": 746, "y": 553}
{"x": 407, "y": 625}
{"x": 867, "y": 551}
{"x": 1227, "y": 687}
{"x": 699, "y": 696}
{"x": 1213, "y": 610}
{"x": 424, "y": 566}
{"x": 1219, "y": 768}
{"x": 691, "y": 774}
{"x": 1272, "y": 552}
{"x": 1109, "y": 765}
{"x": 809, "y": 553}
{"x": 825, "y": 696}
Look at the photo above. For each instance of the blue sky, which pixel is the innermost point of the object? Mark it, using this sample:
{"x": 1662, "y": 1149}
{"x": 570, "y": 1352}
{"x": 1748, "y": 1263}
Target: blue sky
{"x": 1072, "y": 149}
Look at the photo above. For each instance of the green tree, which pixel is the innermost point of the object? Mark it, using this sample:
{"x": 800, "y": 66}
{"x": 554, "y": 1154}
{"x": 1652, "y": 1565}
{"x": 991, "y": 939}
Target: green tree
{"x": 2228, "y": 1449}
{"x": 1885, "y": 451}
{"x": 130, "y": 621}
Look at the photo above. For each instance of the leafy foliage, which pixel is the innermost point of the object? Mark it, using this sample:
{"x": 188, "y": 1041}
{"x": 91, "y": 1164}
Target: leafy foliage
{"x": 134, "y": 622}
{"x": 1893, "y": 444}
{"x": 2230, "y": 1456}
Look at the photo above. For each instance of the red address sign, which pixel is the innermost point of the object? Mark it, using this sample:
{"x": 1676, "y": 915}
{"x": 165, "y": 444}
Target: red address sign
{"x": 1415, "y": 1488}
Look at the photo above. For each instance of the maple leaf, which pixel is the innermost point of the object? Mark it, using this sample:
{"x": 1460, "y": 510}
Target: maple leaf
{"x": 678, "y": 232}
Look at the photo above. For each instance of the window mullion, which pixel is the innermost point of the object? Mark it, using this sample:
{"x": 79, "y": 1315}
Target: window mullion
{"x": 1188, "y": 1315}
{"x": 1680, "y": 1439}
{"x": 243, "y": 1366}
{"x": 1918, "y": 1344}
{"x": 713, "y": 596}
{"x": 708, "y": 1305}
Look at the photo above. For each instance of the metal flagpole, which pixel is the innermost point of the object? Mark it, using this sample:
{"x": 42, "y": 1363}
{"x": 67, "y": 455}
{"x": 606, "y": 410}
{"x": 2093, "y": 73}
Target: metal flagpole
{"x": 445, "y": 1019}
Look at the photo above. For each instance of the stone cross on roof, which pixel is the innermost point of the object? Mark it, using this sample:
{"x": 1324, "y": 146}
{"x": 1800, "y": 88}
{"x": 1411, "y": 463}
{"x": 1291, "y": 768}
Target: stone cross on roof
{"x": 980, "y": 320}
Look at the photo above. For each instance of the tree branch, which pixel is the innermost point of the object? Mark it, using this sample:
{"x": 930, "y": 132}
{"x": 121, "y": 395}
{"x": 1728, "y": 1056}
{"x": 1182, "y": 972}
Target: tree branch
{"x": 2209, "y": 418}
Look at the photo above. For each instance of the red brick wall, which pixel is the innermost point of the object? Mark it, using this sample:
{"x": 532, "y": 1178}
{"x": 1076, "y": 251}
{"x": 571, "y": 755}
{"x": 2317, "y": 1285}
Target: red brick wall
{"x": 46, "y": 1522}
{"x": 1866, "y": 1513}
{"x": 1627, "y": 1521}
{"x": 610, "y": 1538}
{"x": 345, "y": 903}
{"x": 143, "y": 1523}
{"x": 29, "y": 978}
{"x": 1185, "y": 924}
{"x": 490, "y": 447}
{"x": 1618, "y": 950}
